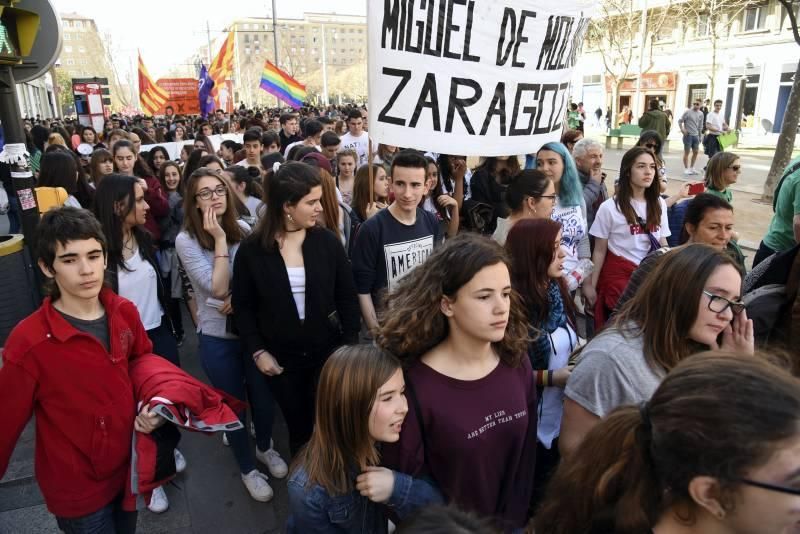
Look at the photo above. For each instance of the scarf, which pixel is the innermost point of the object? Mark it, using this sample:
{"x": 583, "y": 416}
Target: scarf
{"x": 540, "y": 348}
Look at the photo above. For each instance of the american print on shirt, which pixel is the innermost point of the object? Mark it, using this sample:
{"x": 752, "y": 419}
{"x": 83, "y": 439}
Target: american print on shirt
{"x": 402, "y": 258}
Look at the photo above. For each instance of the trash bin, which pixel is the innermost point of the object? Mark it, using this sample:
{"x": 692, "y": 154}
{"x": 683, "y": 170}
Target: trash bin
{"x": 19, "y": 293}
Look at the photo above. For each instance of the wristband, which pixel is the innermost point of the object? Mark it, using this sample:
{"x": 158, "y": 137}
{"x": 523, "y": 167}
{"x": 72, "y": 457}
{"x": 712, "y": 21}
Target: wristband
{"x": 258, "y": 354}
{"x": 222, "y": 256}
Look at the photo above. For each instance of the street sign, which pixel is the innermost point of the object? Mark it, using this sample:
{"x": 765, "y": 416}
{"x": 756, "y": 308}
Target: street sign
{"x": 46, "y": 47}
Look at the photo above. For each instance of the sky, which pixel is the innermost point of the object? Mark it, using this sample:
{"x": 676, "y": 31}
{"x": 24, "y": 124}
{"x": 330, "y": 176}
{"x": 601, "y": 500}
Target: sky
{"x": 169, "y": 31}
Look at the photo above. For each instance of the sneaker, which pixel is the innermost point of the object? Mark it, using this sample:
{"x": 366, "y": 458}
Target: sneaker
{"x": 694, "y": 171}
{"x": 687, "y": 172}
{"x": 277, "y": 467}
{"x": 158, "y": 501}
{"x": 180, "y": 461}
{"x": 257, "y": 485}
{"x": 225, "y": 439}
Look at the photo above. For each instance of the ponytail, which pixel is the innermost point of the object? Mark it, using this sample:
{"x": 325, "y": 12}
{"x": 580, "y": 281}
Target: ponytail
{"x": 608, "y": 484}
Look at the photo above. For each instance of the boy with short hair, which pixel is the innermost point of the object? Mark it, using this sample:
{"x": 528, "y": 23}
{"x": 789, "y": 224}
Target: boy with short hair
{"x": 356, "y": 138}
{"x": 252, "y": 149}
{"x": 67, "y": 363}
{"x": 396, "y": 240}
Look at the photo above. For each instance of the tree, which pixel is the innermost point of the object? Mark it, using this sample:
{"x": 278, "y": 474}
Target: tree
{"x": 613, "y": 35}
{"x": 783, "y": 150}
{"x": 713, "y": 18}
{"x": 64, "y": 83}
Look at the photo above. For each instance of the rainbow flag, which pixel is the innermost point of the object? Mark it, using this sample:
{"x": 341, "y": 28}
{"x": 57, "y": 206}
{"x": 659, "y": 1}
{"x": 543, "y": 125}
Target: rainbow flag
{"x": 282, "y": 86}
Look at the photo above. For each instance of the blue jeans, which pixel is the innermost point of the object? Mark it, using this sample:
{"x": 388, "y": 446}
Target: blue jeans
{"x": 14, "y": 210}
{"x": 110, "y": 519}
{"x": 228, "y": 369}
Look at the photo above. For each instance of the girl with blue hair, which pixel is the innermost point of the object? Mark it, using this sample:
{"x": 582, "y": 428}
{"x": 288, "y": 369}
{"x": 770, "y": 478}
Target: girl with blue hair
{"x": 555, "y": 161}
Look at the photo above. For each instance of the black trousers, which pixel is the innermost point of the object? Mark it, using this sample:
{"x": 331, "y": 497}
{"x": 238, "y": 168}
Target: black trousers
{"x": 295, "y": 391}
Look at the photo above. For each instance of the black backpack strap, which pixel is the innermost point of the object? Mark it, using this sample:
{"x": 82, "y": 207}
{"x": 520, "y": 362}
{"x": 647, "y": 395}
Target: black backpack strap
{"x": 791, "y": 170}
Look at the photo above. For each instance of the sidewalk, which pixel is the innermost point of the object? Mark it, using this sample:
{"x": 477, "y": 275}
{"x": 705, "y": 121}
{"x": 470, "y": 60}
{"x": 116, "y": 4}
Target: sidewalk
{"x": 208, "y": 498}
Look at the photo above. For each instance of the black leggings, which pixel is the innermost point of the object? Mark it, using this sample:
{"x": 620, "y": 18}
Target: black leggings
{"x": 295, "y": 392}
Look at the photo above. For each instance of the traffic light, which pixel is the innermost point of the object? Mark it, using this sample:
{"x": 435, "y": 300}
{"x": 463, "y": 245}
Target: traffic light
{"x": 18, "y": 28}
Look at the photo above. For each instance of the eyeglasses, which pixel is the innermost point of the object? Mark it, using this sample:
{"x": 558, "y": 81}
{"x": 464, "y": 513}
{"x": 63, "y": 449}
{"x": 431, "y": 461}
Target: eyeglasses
{"x": 206, "y": 194}
{"x": 651, "y": 146}
{"x": 735, "y": 167}
{"x": 719, "y": 304}
{"x": 770, "y": 487}
{"x": 696, "y": 104}
{"x": 551, "y": 197}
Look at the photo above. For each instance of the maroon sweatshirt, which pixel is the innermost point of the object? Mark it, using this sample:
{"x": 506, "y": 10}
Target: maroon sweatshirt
{"x": 481, "y": 438}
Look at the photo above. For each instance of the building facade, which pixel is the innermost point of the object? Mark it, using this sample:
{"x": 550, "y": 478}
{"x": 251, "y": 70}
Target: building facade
{"x": 84, "y": 54}
{"x": 301, "y": 45}
{"x": 756, "y": 58}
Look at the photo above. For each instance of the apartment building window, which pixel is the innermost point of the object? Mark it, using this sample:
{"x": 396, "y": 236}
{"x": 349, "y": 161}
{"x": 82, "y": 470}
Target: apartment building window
{"x": 247, "y": 51}
{"x": 755, "y": 18}
{"x": 246, "y": 26}
{"x": 82, "y": 49}
{"x": 702, "y": 27}
{"x": 246, "y": 38}
{"x": 67, "y": 37}
{"x": 68, "y": 49}
{"x": 70, "y": 62}
{"x": 79, "y": 24}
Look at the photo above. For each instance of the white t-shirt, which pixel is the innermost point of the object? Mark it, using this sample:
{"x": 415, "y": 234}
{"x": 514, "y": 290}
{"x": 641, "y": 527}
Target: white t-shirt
{"x": 627, "y": 240}
{"x": 292, "y": 145}
{"x": 562, "y": 342}
{"x": 140, "y": 285}
{"x": 360, "y": 144}
{"x": 715, "y": 119}
{"x": 297, "y": 281}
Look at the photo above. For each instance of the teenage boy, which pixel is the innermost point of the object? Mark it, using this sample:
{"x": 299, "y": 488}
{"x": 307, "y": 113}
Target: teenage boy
{"x": 67, "y": 363}
{"x": 397, "y": 239}
{"x": 716, "y": 126}
{"x": 313, "y": 137}
{"x": 252, "y": 149}
{"x": 692, "y": 124}
{"x": 289, "y": 129}
{"x": 329, "y": 146}
{"x": 356, "y": 138}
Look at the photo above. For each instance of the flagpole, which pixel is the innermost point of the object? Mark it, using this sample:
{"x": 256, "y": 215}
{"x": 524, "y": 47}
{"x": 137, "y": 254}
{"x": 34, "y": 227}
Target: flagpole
{"x": 208, "y": 36}
{"x": 324, "y": 68}
{"x": 275, "y": 32}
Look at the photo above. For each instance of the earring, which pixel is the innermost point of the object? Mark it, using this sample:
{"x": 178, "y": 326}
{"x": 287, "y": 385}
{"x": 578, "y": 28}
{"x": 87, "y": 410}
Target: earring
{"x": 289, "y": 216}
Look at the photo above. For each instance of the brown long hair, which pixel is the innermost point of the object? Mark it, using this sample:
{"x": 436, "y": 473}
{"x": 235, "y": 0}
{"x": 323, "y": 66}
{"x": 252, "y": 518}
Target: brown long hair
{"x": 625, "y": 193}
{"x": 530, "y": 245}
{"x": 361, "y": 190}
{"x": 340, "y": 445}
{"x": 414, "y": 323}
{"x": 193, "y": 219}
{"x": 330, "y": 205}
{"x": 664, "y": 308}
{"x": 637, "y": 464}
{"x": 716, "y": 166}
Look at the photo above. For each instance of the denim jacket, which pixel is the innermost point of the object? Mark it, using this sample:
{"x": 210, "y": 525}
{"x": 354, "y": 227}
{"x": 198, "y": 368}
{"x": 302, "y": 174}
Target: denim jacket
{"x": 311, "y": 509}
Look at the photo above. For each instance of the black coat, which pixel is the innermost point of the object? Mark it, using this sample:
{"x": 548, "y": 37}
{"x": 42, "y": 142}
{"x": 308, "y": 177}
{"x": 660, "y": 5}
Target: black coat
{"x": 265, "y": 312}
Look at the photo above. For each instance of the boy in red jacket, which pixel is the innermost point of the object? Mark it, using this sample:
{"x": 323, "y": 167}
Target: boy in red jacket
{"x": 67, "y": 363}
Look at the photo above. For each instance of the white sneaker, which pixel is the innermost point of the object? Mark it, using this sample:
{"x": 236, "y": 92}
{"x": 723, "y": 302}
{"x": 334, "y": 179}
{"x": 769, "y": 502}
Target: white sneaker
{"x": 180, "y": 462}
{"x": 277, "y": 467}
{"x": 694, "y": 171}
{"x": 225, "y": 439}
{"x": 687, "y": 172}
{"x": 158, "y": 501}
{"x": 257, "y": 485}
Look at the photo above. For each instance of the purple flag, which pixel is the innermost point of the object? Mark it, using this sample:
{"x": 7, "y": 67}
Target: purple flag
{"x": 205, "y": 84}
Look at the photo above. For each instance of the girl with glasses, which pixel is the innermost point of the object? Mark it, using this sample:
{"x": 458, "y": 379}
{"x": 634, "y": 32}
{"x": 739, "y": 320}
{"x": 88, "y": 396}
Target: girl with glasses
{"x": 723, "y": 171}
{"x": 207, "y": 247}
{"x": 697, "y": 458}
{"x": 691, "y": 301}
{"x": 531, "y": 195}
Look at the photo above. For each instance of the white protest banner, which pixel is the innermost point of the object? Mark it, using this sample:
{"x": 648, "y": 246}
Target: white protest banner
{"x": 472, "y": 77}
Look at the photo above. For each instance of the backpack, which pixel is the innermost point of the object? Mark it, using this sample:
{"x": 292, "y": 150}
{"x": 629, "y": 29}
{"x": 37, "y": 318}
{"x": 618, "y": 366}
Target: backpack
{"x": 48, "y": 198}
{"x": 775, "y": 308}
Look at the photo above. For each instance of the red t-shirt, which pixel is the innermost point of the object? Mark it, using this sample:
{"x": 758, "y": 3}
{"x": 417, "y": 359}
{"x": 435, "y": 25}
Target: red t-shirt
{"x": 481, "y": 437}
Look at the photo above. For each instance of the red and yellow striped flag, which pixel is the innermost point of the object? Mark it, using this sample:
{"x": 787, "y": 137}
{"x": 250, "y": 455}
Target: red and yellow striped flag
{"x": 151, "y": 97}
{"x": 221, "y": 68}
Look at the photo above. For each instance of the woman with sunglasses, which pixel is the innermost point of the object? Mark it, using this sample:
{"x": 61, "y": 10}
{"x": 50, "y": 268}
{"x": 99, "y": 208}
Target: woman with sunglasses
{"x": 207, "y": 247}
{"x": 723, "y": 171}
{"x": 690, "y": 302}
{"x": 697, "y": 458}
{"x": 653, "y": 141}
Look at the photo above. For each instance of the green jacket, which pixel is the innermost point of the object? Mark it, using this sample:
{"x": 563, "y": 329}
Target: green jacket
{"x": 655, "y": 120}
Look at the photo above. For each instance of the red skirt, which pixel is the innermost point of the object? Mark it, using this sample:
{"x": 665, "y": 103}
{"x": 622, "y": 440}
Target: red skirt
{"x": 611, "y": 284}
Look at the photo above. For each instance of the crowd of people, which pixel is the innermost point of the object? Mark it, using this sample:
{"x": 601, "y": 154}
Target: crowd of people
{"x": 523, "y": 345}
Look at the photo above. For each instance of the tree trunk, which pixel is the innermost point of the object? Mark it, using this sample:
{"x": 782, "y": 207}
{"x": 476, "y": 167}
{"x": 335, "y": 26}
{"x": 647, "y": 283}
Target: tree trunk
{"x": 615, "y": 103}
{"x": 785, "y": 146}
{"x": 711, "y": 94}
